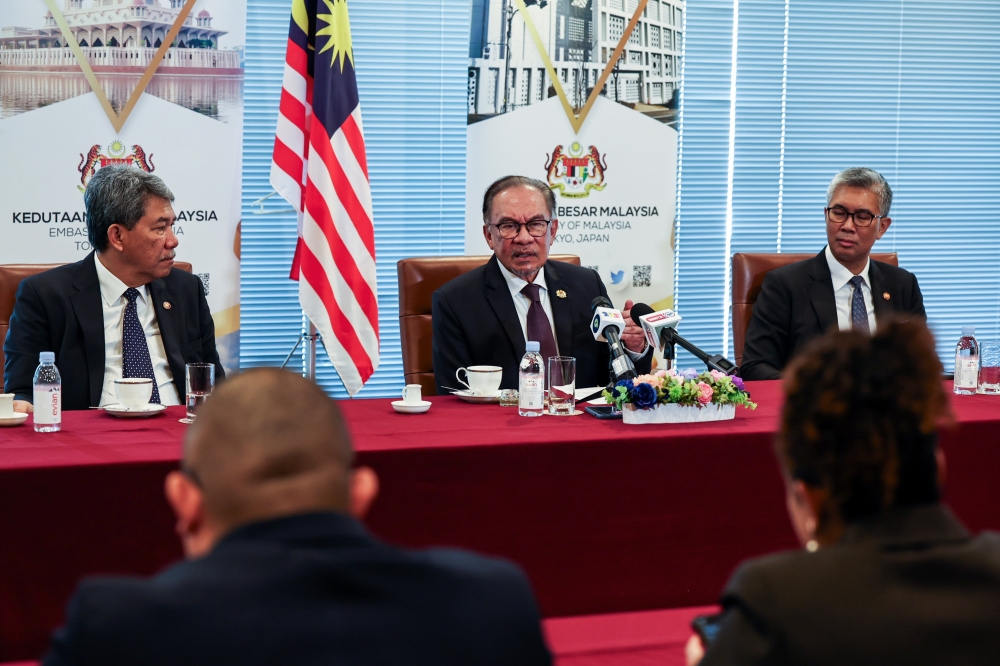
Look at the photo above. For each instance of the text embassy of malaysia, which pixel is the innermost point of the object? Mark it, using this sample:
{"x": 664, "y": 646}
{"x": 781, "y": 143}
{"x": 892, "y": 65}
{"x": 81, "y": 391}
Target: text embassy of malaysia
{"x": 58, "y": 217}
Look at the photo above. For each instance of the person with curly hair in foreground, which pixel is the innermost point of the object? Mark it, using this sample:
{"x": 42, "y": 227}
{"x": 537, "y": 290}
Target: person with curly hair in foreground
{"x": 888, "y": 575}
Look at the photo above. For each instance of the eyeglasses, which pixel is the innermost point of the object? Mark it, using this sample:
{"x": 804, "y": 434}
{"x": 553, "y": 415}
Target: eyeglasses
{"x": 862, "y": 218}
{"x": 509, "y": 229}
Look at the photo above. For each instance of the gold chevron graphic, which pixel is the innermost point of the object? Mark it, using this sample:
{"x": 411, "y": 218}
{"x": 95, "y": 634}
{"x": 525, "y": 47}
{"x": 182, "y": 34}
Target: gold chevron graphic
{"x": 118, "y": 121}
{"x": 577, "y": 120}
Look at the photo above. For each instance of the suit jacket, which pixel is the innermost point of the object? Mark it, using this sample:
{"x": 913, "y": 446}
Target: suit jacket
{"x": 909, "y": 587}
{"x": 797, "y": 303}
{"x": 307, "y": 589}
{"x": 475, "y": 323}
{"x": 61, "y": 311}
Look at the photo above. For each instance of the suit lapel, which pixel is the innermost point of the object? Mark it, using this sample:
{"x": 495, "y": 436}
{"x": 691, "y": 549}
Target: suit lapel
{"x": 882, "y": 306}
{"x": 561, "y": 311}
{"x": 169, "y": 323}
{"x": 820, "y": 290}
{"x": 89, "y": 311}
{"x": 500, "y": 300}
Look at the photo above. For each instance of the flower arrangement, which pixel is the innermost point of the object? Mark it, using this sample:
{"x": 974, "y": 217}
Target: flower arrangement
{"x": 686, "y": 388}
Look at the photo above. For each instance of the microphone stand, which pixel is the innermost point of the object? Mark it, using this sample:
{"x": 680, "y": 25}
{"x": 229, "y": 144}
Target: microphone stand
{"x": 669, "y": 337}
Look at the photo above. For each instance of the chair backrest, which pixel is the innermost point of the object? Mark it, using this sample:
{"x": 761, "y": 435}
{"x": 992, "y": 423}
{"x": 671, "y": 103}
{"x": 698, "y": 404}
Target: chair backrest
{"x": 10, "y": 278}
{"x": 419, "y": 278}
{"x": 749, "y": 269}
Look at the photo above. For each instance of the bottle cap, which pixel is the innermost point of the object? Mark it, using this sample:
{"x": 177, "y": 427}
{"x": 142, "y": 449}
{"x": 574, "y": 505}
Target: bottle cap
{"x": 968, "y": 330}
{"x": 46, "y": 357}
{"x": 532, "y": 346}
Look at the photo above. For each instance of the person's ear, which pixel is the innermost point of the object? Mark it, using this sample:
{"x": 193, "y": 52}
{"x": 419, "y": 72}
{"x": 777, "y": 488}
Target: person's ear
{"x": 116, "y": 237}
{"x": 882, "y": 227}
{"x": 488, "y": 236}
{"x": 363, "y": 491}
{"x": 554, "y": 229}
{"x": 942, "y": 467}
{"x": 188, "y": 502}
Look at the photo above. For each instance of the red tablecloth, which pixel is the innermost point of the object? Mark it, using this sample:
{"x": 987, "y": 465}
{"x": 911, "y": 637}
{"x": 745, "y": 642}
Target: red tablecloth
{"x": 604, "y": 517}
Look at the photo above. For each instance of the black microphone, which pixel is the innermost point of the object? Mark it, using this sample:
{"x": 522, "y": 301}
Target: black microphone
{"x": 607, "y": 326}
{"x": 668, "y": 336}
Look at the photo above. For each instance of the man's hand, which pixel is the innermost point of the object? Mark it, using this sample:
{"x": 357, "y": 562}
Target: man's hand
{"x": 633, "y": 338}
{"x": 23, "y": 406}
{"x": 694, "y": 651}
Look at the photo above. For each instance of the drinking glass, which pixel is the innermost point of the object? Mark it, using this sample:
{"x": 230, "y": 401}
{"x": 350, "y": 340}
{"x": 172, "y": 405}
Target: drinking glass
{"x": 561, "y": 381}
{"x": 200, "y": 379}
{"x": 989, "y": 367}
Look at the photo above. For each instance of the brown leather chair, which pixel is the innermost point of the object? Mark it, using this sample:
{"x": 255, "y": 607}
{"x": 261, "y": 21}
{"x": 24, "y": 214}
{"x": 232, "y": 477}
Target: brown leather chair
{"x": 749, "y": 270}
{"x": 10, "y": 278}
{"x": 419, "y": 278}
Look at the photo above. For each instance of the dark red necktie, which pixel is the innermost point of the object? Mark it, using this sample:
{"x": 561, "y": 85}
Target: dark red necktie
{"x": 539, "y": 328}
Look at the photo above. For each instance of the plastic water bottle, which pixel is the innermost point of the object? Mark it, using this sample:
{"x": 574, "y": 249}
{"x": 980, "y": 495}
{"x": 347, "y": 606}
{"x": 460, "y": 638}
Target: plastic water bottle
{"x": 967, "y": 362}
{"x": 47, "y": 386}
{"x": 531, "y": 382}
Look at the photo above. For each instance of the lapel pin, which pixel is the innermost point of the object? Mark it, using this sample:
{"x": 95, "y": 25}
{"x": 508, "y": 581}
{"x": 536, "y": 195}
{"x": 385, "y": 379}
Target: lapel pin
{"x": 560, "y": 293}
{"x": 885, "y": 295}
{"x": 166, "y": 304}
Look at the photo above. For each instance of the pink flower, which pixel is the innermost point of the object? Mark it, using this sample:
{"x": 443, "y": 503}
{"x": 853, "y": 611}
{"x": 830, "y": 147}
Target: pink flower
{"x": 704, "y": 393}
{"x": 671, "y": 372}
{"x": 717, "y": 376}
{"x": 661, "y": 373}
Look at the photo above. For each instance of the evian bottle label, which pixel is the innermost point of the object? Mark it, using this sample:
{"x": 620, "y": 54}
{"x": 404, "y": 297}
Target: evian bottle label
{"x": 48, "y": 405}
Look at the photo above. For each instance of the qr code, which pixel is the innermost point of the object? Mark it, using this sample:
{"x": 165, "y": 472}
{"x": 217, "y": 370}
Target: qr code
{"x": 641, "y": 275}
{"x": 204, "y": 281}
{"x": 596, "y": 269}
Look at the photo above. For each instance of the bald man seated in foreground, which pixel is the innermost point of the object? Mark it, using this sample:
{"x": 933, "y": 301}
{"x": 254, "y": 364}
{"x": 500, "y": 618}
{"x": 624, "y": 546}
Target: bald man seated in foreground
{"x": 280, "y": 571}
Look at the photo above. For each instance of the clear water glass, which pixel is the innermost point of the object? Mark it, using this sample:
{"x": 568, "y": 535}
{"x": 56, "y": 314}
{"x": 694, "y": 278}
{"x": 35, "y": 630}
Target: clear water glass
{"x": 561, "y": 382}
{"x": 200, "y": 380}
{"x": 989, "y": 367}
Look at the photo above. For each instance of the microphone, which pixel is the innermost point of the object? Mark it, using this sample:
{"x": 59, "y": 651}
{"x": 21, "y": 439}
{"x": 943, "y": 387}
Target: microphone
{"x": 661, "y": 330}
{"x": 607, "y": 326}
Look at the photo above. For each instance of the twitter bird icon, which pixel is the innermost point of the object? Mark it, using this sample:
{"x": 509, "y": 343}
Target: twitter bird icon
{"x": 616, "y": 277}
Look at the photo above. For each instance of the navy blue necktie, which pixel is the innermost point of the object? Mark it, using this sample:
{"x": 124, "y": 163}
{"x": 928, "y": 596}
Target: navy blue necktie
{"x": 859, "y": 313}
{"x": 135, "y": 350}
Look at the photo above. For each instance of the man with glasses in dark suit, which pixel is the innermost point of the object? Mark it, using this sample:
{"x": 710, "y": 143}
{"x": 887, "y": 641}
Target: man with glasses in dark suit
{"x": 840, "y": 287}
{"x": 485, "y": 316}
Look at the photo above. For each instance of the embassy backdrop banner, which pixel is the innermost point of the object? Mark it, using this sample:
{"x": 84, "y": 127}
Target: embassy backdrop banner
{"x": 582, "y": 95}
{"x": 61, "y": 122}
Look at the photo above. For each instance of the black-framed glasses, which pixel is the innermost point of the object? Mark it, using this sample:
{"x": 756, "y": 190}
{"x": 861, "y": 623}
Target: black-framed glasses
{"x": 509, "y": 229}
{"x": 862, "y": 218}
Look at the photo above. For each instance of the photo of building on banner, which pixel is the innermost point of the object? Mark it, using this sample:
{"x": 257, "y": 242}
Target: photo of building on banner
{"x": 583, "y": 94}
{"x": 153, "y": 84}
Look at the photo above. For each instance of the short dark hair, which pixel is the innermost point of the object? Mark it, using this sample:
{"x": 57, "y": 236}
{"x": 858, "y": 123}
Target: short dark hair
{"x": 118, "y": 195}
{"x": 860, "y": 417}
{"x": 509, "y": 182}
{"x": 865, "y": 179}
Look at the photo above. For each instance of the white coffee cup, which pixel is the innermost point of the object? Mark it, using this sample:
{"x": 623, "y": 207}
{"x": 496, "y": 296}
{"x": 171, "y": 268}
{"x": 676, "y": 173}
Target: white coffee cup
{"x": 6, "y": 405}
{"x": 411, "y": 394}
{"x": 134, "y": 392}
{"x": 482, "y": 379}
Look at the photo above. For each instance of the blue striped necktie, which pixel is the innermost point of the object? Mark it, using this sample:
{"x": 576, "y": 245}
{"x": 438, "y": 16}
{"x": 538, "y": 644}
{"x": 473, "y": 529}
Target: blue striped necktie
{"x": 859, "y": 313}
{"x": 135, "y": 350}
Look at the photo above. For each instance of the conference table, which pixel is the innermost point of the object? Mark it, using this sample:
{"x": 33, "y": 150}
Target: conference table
{"x": 608, "y": 520}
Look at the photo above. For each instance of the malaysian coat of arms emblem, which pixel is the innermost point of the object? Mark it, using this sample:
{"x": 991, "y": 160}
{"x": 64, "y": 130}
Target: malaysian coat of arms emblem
{"x": 117, "y": 154}
{"x": 575, "y": 173}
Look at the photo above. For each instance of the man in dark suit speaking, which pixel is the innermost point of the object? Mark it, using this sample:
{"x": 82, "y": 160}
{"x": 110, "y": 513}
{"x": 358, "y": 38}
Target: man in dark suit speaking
{"x": 280, "y": 571}
{"x": 840, "y": 287}
{"x": 485, "y": 316}
{"x": 123, "y": 311}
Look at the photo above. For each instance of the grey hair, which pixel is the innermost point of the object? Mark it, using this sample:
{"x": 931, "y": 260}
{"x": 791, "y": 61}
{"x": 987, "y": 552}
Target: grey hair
{"x": 118, "y": 195}
{"x": 509, "y": 182}
{"x": 866, "y": 179}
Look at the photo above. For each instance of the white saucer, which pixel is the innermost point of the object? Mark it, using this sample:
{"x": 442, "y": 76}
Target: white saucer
{"x": 469, "y": 396}
{"x": 417, "y": 408}
{"x": 575, "y": 412}
{"x": 139, "y": 412}
{"x": 15, "y": 420}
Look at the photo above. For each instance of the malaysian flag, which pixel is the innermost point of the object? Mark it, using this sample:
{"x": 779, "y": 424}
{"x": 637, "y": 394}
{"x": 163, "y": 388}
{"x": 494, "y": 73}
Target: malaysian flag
{"x": 319, "y": 166}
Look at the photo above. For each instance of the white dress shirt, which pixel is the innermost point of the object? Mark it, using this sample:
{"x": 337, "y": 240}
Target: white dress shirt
{"x": 522, "y": 303}
{"x": 114, "y": 302}
{"x": 843, "y": 292}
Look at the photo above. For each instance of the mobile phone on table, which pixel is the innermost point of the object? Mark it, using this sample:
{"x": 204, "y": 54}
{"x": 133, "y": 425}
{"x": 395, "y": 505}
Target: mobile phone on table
{"x": 603, "y": 411}
{"x": 707, "y": 628}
